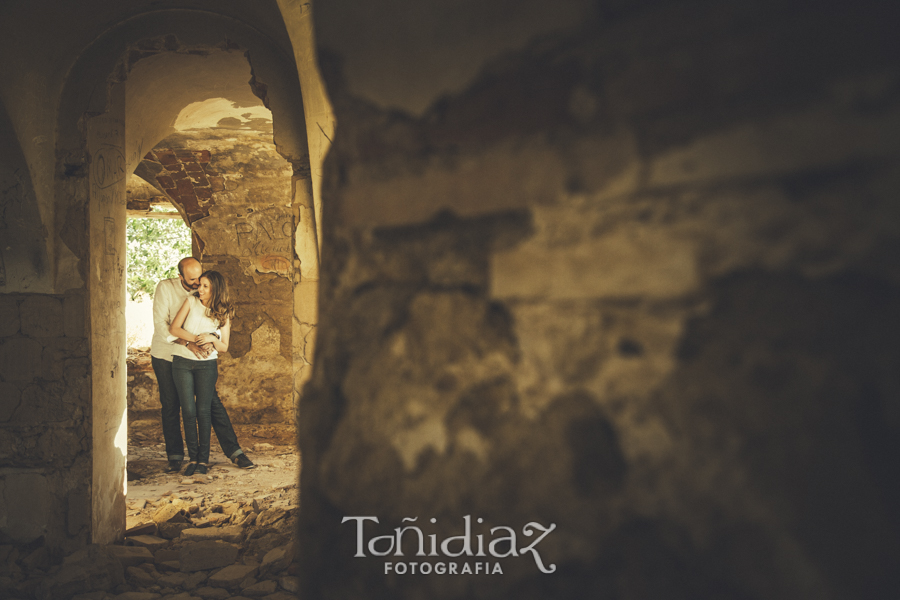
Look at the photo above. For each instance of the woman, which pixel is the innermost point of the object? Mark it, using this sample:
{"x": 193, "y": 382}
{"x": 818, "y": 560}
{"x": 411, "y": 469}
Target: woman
{"x": 204, "y": 318}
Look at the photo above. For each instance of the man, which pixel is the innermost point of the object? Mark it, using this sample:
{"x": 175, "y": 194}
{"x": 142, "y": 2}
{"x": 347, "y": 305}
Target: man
{"x": 170, "y": 295}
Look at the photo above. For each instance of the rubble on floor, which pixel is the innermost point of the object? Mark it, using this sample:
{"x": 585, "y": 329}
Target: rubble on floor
{"x": 234, "y": 559}
{"x": 225, "y": 536}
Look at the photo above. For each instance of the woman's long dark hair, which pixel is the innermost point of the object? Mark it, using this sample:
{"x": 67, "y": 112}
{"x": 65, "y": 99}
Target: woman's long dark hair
{"x": 220, "y": 306}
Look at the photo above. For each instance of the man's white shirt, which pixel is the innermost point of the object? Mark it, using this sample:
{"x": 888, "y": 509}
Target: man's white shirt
{"x": 167, "y": 299}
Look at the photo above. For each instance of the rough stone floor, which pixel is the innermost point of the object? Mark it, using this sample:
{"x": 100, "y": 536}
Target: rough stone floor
{"x": 227, "y": 535}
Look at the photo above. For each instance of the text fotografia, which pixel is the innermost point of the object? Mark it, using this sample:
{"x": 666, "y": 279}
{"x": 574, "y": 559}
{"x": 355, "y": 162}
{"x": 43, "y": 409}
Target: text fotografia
{"x": 503, "y": 543}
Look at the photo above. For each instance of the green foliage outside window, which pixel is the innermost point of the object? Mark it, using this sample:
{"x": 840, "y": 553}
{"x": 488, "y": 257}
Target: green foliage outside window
{"x": 154, "y": 248}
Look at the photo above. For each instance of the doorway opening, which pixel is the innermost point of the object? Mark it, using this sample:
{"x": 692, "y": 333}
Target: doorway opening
{"x": 213, "y": 170}
{"x": 156, "y": 239}
{"x": 220, "y": 173}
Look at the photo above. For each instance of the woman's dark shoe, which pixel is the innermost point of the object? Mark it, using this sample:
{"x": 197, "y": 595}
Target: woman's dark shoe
{"x": 201, "y": 469}
{"x": 242, "y": 462}
{"x": 174, "y": 466}
{"x": 190, "y": 469}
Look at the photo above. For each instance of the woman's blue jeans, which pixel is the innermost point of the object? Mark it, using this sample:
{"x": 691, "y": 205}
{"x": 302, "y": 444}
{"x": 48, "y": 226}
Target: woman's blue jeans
{"x": 195, "y": 379}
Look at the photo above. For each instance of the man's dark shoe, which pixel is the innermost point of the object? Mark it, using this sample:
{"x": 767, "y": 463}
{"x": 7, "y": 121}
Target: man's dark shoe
{"x": 201, "y": 469}
{"x": 190, "y": 469}
{"x": 243, "y": 462}
{"x": 174, "y": 466}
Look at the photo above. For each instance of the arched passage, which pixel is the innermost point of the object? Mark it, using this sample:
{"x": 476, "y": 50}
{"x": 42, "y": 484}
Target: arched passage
{"x": 107, "y": 130}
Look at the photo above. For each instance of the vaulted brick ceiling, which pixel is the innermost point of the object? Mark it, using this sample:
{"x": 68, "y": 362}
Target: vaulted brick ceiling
{"x": 187, "y": 177}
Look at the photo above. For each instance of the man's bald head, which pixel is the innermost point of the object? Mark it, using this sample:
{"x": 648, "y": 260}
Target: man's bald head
{"x": 189, "y": 271}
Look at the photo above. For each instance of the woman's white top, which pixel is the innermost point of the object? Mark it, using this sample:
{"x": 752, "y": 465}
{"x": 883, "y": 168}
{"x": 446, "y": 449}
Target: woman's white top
{"x": 196, "y": 322}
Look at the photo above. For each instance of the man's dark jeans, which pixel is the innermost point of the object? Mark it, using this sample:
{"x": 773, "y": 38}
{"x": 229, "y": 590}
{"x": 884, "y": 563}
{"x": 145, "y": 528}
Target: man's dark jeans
{"x": 171, "y": 415}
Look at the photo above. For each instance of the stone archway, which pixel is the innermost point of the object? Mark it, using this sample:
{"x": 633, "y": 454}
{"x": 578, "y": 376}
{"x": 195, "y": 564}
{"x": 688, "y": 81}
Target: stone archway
{"x": 153, "y": 81}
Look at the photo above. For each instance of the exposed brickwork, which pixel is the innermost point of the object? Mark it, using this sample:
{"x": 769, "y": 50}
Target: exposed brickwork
{"x": 187, "y": 177}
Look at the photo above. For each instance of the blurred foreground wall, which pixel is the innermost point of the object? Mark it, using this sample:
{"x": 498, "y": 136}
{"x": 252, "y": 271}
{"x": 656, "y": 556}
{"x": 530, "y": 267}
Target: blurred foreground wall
{"x": 626, "y": 268}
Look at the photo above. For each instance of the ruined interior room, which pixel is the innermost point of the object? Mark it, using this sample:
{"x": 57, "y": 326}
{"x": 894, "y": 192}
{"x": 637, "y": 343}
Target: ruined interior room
{"x": 589, "y": 299}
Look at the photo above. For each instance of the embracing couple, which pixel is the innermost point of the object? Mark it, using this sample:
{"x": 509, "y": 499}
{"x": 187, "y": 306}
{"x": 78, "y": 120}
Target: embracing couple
{"x": 191, "y": 325}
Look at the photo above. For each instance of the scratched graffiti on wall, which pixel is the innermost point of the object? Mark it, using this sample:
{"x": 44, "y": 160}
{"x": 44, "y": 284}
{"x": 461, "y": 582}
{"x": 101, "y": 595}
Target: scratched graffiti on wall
{"x": 266, "y": 231}
{"x": 273, "y": 263}
{"x": 261, "y": 239}
{"x": 109, "y": 167}
{"x": 107, "y": 192}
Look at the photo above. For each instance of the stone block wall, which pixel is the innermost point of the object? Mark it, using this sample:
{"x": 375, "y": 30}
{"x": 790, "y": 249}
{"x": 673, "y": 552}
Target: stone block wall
{"x": 45, "y": 433}
{"x": 636, "y": 281}
{"x": 143, "y": 391}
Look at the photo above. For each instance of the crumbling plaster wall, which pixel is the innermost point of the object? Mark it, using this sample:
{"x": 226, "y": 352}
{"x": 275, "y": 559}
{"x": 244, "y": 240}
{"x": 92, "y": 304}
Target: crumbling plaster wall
{"x": 307, "y": 186}
{"x": 317, "y": 109}
{"x": 235, "y": 190}
{"x": 636, "y": 280}
{"x": 244, "y": 228}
